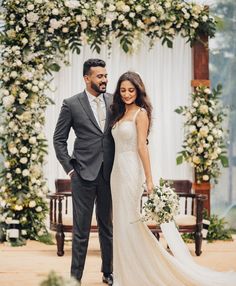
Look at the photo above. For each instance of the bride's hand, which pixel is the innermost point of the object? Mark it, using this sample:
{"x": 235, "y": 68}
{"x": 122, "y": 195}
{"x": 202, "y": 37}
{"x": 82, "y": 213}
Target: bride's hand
{"x": 150, "y": 187}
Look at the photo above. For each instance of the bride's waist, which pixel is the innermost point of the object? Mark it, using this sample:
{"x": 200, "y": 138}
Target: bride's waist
{"x": 125, "y": 151}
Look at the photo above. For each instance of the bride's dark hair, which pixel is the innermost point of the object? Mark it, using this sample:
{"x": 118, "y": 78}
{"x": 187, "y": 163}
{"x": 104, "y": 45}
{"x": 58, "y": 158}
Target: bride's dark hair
{"x": 142, "y": 100}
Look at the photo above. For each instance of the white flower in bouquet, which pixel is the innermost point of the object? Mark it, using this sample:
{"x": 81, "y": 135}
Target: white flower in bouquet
{"x": 25, "y": 136}
{"x": 33, "y": 156}
{"x": 24, "y": 150}
{"x": 2, "y": 129}
{"x": 32, "y": 17}
{"x": 41, "y": 136}
{"x": 84, "y": 25}
{"x": 18, "y": 171}
{"x": 162, "y": 204}
{"x": 25, "y": 116}
{"x": 55, "y": 12}
{"x": 3, "y": 203}
{"x": 18, "y": 207}
{"x": 13, "y": 150}
{"x": 54, "y": 24}
{"x": 39, "y": 209}
{"x": 32, "y": 204}
{"x": 32, "y": 140}
{"x": 7, "y": 164}
{"x": 23, "y": 95}
{"x": 25, "y": 173}
{"x": 35, "y": 88}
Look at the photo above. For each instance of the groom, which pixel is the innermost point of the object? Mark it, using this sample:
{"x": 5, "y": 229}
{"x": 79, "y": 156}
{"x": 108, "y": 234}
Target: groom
{"x": 88, "y": 114}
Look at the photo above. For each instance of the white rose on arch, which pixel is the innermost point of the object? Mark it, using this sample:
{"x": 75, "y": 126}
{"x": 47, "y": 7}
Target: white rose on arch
{"x": 36, "y": 171}
{"x": 8, "y": 101}
{"x": 203, "y": 109}
{"x": 204, "y": 131}
{"x": 72, "y": 4}
{"x": 196, "y": 160}
{"x": 205, "y": 178}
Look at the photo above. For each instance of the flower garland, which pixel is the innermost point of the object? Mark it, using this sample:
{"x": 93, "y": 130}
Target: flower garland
{"x": 204, "y": 144}
{"x": 37, "y": 35}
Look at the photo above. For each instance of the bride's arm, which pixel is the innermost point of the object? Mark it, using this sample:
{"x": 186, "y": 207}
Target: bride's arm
{"x": 142, "y": 123}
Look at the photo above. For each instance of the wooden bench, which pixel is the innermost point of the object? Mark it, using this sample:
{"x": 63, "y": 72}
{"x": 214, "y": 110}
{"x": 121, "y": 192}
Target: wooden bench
{"x": 190, "y": 221}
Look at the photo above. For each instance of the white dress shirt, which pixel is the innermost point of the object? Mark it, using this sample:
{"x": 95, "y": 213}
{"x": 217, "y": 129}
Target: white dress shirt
{"x": 93, "y": 104}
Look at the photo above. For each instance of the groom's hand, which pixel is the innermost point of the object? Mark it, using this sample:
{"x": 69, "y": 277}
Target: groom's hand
{"x": 71, "y": 173}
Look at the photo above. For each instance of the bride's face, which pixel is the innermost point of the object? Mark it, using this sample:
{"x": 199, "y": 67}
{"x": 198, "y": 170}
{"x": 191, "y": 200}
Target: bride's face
{"x": 128, "y": 92}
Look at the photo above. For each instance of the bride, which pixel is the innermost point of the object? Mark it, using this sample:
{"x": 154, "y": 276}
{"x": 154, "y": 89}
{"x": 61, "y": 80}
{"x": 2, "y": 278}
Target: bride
{"x": 139, "y": 259}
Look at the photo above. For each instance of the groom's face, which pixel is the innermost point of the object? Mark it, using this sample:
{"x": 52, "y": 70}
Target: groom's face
{"x": 96, "y": 80}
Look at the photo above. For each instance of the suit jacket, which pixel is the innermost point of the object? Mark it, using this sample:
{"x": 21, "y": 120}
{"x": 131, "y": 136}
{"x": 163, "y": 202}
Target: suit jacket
{"x": 92, "y": 147}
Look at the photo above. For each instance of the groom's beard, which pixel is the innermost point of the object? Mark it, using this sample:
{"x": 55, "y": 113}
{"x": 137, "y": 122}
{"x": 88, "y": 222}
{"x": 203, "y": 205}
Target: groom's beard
{"x": 99, "y": 88}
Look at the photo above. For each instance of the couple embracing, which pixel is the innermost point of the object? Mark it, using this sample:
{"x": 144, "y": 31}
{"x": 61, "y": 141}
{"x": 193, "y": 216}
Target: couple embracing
{"x": 109, "y": 164}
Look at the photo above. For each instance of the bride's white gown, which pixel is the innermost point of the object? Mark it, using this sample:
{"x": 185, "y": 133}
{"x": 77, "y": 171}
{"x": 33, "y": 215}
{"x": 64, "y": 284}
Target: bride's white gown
{"x": 139, "y": 259}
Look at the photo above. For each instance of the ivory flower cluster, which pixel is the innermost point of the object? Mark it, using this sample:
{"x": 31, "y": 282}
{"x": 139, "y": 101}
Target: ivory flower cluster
{"x": 204, "y": 144}
{"x": 162, "y": 205}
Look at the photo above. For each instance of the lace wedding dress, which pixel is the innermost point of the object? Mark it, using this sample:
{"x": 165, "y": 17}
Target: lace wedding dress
{"x": 139, "y": 259}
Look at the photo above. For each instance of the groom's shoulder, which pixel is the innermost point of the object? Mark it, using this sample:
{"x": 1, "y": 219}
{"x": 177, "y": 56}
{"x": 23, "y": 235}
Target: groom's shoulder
{"x": 73, "y": 99}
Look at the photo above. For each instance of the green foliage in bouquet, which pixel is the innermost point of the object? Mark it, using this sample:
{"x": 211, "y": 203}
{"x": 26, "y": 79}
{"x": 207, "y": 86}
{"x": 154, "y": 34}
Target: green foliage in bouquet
{"x": 204, "y": 143}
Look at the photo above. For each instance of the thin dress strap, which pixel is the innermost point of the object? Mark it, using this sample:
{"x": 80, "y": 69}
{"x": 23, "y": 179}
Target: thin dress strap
{"x": 137, "y": 112}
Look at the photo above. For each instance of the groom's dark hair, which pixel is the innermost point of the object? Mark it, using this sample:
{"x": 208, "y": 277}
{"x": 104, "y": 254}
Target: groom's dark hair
{"x": 92, "y": 63}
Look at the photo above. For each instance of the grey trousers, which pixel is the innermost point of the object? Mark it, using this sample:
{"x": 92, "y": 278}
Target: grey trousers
{"x": 86, "y": 194}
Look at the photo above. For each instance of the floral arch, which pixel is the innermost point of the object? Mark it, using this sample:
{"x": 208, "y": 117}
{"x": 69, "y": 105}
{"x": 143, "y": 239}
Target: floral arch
{"x": 36, "y": 37}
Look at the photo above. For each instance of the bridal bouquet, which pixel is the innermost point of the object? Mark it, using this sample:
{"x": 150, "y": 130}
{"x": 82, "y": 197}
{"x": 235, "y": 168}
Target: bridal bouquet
{"x": 162, "y": 204}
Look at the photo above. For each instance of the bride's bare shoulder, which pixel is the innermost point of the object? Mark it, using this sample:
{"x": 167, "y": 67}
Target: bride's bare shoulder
{"x": 143, "y": 109}
{"x": 142, "y": 115}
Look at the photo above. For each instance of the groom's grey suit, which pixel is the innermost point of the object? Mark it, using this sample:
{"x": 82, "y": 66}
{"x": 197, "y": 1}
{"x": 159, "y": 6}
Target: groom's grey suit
{"x": 92, "y": 160}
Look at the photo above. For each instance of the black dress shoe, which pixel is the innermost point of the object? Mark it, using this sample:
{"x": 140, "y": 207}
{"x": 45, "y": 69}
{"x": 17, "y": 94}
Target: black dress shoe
{"x": 108, "y": 279}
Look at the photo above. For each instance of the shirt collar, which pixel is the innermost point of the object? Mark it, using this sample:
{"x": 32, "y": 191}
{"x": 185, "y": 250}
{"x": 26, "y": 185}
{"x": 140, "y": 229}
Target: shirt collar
{"x": 91, "y": 97}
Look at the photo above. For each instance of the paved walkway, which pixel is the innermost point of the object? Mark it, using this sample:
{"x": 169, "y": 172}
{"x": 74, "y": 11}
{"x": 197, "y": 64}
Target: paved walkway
{"x": 29, "y": 265}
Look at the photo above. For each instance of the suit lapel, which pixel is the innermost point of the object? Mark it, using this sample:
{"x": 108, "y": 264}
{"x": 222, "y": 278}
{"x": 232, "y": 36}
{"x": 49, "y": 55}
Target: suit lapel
{"x": 87, "y": 108}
